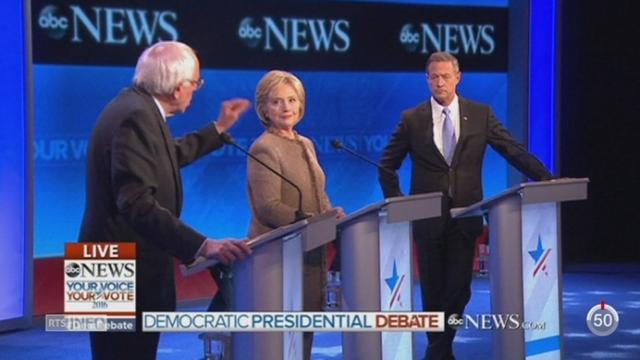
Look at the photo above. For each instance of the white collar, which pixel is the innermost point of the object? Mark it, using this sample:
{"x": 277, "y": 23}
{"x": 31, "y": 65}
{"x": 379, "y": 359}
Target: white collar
{"x": 437, "y": 109}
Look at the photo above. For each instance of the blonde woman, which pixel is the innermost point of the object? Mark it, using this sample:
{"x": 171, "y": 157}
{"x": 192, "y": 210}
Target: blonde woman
{"x": 280, "y": 104}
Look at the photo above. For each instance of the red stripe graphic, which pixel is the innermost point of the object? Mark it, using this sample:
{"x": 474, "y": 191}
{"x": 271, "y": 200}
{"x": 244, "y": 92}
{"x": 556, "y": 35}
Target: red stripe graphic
{"x": 396, "y": 293}
{"x": 541, "y": 262}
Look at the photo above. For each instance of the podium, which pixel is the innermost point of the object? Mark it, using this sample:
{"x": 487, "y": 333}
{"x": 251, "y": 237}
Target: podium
{"x": 376, "y": 253}
{"x": 526, "y": 262}
{"x": 271, "y": 279}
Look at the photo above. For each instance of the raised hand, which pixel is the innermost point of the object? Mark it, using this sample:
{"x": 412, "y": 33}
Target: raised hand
{"x": 230, "y": 112}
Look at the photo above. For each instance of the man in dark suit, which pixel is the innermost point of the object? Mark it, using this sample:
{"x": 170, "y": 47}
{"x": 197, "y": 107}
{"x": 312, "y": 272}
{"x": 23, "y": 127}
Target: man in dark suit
{"x": 134, "y": 187}
{"x": 446, "y": 138}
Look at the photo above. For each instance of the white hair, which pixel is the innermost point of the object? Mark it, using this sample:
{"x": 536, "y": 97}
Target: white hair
{"x": 163, "y": 66}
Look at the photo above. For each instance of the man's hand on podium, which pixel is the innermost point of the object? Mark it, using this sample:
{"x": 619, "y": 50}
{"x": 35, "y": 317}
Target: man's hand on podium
{"x": 226, "y": 250}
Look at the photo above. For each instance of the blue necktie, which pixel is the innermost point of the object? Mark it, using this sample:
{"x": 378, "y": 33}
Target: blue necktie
{"x": 448, "y": 136}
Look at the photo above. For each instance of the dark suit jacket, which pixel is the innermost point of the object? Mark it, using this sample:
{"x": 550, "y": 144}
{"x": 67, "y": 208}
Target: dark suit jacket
{"x": 462, "y": 181}
{"x": 134, "y": 191}
{"x": 430, "y": 172}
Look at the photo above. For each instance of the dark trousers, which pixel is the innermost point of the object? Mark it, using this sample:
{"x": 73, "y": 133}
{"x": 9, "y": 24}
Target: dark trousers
{"x": 155, "y": 291}
{"x": 445, "y": 259}
{"x": 124, "y": 346}
{"x": 223, "y": 299}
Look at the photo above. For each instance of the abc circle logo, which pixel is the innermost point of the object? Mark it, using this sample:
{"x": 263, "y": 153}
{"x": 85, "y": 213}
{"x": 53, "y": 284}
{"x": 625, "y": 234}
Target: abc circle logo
{"x": 249, "y": 34}
{"x": 72, "y": 270}
{"x": 454, "y": 321}
{"x": 55, "y": 26}
{"x": 409, "y": 38}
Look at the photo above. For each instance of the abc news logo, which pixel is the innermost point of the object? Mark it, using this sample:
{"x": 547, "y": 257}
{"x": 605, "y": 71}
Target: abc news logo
{"x": 54, "y": 25}
{"x": 107, "y": 25}
{"x": 100, "y": 269}
{"x": 454, "y": 321}
{"x": 249, "y": 34}
{"x": 296, "y": 34}
{"x": 468, "y": 39}
{"x": 493, "y": 322}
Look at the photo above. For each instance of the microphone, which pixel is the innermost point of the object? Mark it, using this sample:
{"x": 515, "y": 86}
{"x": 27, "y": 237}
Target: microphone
{"x": 337, "y": 144}
{"x": 299, "y": 214}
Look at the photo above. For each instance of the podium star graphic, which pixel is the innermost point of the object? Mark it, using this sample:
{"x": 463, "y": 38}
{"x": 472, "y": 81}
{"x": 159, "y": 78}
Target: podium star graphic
{"x": 537, "y": 253}
{"x": 539, "y": 256}
{"x": 393, "y": 280}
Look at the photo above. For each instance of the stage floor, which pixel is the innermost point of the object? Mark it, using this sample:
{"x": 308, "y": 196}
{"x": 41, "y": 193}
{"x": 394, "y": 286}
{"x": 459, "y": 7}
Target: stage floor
{"x": 584, "y": 287}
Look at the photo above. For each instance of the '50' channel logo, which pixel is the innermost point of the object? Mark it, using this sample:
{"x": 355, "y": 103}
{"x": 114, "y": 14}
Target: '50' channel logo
{"x": 603, "y": 319}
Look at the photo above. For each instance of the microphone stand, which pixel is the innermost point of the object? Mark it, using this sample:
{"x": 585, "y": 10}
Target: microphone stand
{"x": 337, "y": 144}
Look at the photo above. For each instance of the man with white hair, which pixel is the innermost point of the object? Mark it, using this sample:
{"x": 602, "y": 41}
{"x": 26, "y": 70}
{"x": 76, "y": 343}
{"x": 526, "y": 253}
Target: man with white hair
{"x": 134, "y": 187}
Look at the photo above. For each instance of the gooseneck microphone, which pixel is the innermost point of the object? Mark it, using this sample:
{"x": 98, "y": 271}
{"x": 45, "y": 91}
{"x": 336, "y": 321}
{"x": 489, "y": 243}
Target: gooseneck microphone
{"x": 337, "y": 144}
{"x": 299, "y": 214}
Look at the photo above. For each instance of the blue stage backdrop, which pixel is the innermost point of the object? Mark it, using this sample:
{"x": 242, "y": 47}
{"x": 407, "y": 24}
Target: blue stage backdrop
{"x": 357, "y": 86}
{"x": 15, "y": 169}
